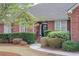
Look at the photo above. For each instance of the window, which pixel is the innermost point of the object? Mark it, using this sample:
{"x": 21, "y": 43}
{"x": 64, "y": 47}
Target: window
{"x": 61, "y": 25}
{"x": 64, "y": 25}
{"x": 22, "y": 28}
{"x": 7, "y": 28}
{"x": 57, "y": 25}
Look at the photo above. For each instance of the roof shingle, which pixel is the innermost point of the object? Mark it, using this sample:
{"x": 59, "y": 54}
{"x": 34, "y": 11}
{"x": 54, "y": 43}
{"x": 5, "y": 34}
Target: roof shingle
{"x": 51, "y": 11}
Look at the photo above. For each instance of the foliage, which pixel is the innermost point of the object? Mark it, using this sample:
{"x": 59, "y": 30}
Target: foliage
{"x": 25, "y": 19}
{"x": 60, "y": 34}
{"x": 23, "y": 43}
{"x": 16, "y": 40}
{"x": 55, "y": 42}
{"x": 28, "y": 37}
{"x": 4, "y": 38}
{"x": 46, "y": 32}
{"x": 42, "y": 18}
{"x": 69, "y": 46}
{"x": 12, "y": 11}
{"x": 44, "y": 41}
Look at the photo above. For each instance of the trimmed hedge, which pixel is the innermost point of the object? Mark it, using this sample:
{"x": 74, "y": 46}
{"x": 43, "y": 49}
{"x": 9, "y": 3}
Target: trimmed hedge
{"x": 4, "y": 38}
{"x": 70, "y": 46}
{"x": 60, "y": 34}
{"x": 46, "y": 32}
{"x": 55, "y": 42}
{"x": 28, "y": 36}
{"x": 51, "y": 42}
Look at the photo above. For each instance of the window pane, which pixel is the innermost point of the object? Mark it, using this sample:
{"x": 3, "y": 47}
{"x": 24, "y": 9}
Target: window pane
{"x": 64, "y": 25}
{"x": 7, "y": 28}
{"x": 57, "y": 25}
{"x": 22, "y": 28}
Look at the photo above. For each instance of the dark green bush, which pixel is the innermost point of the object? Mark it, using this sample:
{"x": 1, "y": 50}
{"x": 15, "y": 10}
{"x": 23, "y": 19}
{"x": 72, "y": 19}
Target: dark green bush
{"x": 46, "y": 32}
{"x": 55, "y": 42}
{"x": 28, "y": 37}
{"x": 4, "y": 38}
{"x": 69, "y": 46}
{"x": 60, "y": 34}
{"x": 77, "y": 45}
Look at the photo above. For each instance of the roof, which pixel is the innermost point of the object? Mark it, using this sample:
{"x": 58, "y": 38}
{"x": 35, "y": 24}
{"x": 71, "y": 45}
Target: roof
{"x": 51, "y": 11}
{"x": 73, "y": 7}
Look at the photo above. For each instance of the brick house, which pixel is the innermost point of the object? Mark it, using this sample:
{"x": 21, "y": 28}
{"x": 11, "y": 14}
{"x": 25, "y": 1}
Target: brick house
{"x": 74, "y": 21}
{"x": 57, "y": 16}
{"x": 9, "y": 28}
{"x": 52, "y": 16}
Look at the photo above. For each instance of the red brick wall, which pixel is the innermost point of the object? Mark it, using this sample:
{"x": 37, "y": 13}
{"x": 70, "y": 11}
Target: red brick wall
{"x": 1, "y": 28}
{"x": 51, "y": 25}
{"x": 75, "y": 25}
{"x": 15, "y": 28}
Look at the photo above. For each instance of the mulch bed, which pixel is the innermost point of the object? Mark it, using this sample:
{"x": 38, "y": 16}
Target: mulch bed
{"x": 8, "y": 54}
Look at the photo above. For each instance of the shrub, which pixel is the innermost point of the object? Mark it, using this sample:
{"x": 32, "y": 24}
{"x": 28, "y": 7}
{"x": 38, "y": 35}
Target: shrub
{"x": 28, "y": 37}
{"x": 69, "y": 46}
{"x": 77, "y": 45}
{"x": 16, "y": 40}
{"x": 46, "y": 32}
{"x": 59, "y": 34}
{"x": 55, "y": 42}
{"x": 4, "y": 38}
{"x": 44, "y": 42}
{"x": 23, "y": 43}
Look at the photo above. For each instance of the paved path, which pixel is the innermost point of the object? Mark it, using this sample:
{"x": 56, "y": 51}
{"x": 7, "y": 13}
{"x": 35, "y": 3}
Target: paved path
{"x": 53, "y": 51}
{"x": 22, "y": 50}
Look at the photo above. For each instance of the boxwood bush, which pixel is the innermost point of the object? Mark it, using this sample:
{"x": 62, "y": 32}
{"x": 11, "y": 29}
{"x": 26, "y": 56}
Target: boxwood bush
{"x": 28, "y": 36}
{"x": 4, "y": 38}
{"x": 51, "y": 42}
{"x": 59, "y": 34}
{"x": 69, "y": 46}
{"x": 55, "y": 42}
{"x": 46, "y": 32}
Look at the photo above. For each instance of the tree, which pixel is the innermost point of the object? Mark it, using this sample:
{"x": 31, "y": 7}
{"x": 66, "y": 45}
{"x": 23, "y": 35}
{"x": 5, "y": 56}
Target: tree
{"x": 25, "y": 19}
{"x": 13, "y": 12}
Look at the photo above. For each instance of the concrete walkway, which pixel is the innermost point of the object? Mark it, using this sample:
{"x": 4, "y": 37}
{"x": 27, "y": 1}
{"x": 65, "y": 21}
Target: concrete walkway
{"x": 53, "y": 51}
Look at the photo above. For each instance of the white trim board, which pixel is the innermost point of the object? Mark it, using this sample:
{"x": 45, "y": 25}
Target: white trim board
{"x": 71, "y": 9}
